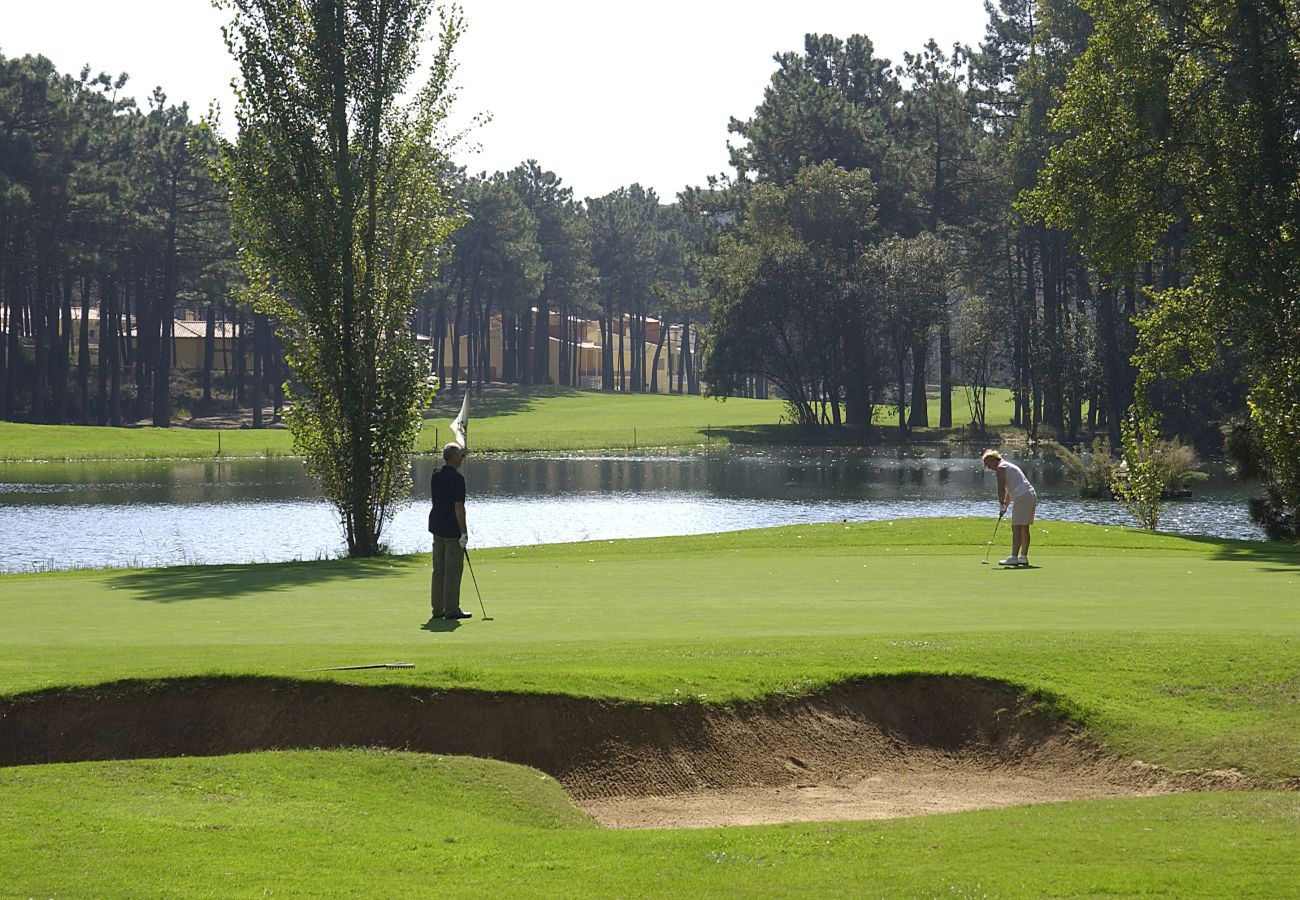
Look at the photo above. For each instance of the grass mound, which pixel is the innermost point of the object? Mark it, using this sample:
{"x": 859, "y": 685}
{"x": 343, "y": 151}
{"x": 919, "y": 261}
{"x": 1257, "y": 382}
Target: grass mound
{"x": 367, "y": 823}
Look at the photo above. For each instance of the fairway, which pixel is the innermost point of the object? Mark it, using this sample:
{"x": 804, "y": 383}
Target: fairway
{"x": 1178, "y": 652}
{"x": 505, "y": 419}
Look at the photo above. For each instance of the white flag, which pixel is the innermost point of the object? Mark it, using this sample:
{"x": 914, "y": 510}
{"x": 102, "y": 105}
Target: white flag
{"x": 460, "y": 424}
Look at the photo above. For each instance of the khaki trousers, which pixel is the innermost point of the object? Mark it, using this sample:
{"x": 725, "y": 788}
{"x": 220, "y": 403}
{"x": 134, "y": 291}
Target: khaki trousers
{"x": 448, "y": 566}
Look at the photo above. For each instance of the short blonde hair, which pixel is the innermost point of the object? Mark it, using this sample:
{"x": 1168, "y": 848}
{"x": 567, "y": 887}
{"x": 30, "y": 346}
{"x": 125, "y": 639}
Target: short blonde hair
{"x": 451, "y": 451}
{"x": 991, "y": 454}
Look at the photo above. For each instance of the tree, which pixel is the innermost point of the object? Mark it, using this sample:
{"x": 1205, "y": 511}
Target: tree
{"x": 1181, "y": 119}
{"x": 836, "y": 102}
{"x": 625, "y": 252}
{"x": 791, "y": 300}
{"x": 944, "y": 136}
{"x": 565, "y": 257}
{"x": 339, "y": 205}
{"x": 977, "y": 351}
{"x": 496, "y": 265}
{"x": 910, "y": 276}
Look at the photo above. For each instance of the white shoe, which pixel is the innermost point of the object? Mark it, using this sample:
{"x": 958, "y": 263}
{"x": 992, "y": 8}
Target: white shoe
{"x": 1010, "y": 561}
{"x": 1024, "y": 560}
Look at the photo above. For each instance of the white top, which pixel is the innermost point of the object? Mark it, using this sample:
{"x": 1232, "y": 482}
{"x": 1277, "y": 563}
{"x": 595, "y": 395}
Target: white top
{"x": 1017, "y": 484}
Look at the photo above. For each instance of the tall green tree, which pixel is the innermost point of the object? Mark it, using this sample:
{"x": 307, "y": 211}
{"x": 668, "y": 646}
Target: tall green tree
{"x": 792, "y": 303}
{"x": 626, "y": 254}
{"x": 912, "y": 278}
{"x": 944, "y": 137}
{"x": 834, "y": 102}
{"x": 565, "y": 256}
{"x": 339, "y": 204}
{"x": 1181, "y": 119}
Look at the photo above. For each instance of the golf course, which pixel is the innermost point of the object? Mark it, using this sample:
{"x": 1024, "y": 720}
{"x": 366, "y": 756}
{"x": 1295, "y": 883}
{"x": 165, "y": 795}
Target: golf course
{"x": 573, "y": 450}
{"x": 838, "y": 709}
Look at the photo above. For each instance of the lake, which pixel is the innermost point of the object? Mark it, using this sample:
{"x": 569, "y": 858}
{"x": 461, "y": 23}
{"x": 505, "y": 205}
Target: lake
{"x": 63, "y": 515}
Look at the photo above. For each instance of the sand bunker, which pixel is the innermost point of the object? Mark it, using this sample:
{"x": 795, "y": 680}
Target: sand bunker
{"x": 886, "y": 747}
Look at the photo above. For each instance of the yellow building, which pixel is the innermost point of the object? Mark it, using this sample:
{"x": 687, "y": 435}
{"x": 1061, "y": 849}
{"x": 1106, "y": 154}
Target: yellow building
{"x": 588, "y": 350}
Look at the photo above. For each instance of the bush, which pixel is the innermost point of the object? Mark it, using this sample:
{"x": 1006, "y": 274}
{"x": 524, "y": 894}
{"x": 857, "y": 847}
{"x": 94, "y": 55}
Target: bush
{"x": 1091, "y": 471}
{"x": 1245, "y": 449}
{"x": 1139, "y": 480}
{"x": 1151, "y": 469}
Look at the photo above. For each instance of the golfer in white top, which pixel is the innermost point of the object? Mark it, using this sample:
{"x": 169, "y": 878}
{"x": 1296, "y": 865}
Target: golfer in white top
{"x": 1014, "y": 490}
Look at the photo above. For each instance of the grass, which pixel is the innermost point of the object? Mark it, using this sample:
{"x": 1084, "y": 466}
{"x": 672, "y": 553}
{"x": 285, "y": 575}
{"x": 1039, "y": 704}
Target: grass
{"x": 367, "y": 823}
{"x": 503, "y": 420}
{"x": 1179, "y": 651}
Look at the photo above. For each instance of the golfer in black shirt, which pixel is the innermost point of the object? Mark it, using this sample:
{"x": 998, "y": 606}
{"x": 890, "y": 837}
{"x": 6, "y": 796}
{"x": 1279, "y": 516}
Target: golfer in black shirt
{"x": 450, "y": 534}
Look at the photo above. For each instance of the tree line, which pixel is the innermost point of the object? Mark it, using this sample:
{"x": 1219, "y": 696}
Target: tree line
{"x": 112, "y": 224}
{"x": 530, "y": 251}
{"x": 1095, "y": 206}
{"x": 939, "y": 273}
{"x": 110, "y": 220}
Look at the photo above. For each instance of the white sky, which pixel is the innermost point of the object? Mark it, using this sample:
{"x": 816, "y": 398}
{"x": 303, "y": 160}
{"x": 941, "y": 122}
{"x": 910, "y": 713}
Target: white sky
{"x": 603, "y": 93}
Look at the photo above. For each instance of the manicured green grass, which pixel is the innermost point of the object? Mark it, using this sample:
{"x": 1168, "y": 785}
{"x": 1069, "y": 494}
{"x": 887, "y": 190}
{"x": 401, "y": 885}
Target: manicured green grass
{"x": 1179, "y": 651}
{"x": 1001, "y": 407}
{"x": 504, "y": 419}
{"x": 366, "y": 823}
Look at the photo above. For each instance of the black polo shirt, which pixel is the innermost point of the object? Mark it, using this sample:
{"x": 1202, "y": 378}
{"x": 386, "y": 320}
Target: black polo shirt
{"x": 447, "y": 488}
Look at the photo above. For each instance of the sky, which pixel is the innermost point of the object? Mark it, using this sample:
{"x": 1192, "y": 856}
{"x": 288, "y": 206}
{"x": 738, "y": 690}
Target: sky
{"x": 602, "y": 93}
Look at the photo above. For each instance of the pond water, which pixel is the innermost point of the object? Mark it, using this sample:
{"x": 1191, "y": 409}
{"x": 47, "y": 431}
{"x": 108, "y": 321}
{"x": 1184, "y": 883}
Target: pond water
{"x": 62, "y": 515}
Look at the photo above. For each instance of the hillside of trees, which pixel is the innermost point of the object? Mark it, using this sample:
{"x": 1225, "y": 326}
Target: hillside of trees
{"x": 1094, "y": 207}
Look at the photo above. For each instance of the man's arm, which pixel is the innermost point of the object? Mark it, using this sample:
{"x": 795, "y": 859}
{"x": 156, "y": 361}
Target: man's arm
{"x": 460, "y": 517}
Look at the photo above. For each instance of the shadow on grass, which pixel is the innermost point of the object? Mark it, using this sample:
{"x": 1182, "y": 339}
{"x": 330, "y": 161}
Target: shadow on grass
{"x": 496, "y": 400}
{"x": 1284, "y": 557}
{"x": 788, "y": 434}
{"x": 174, "y": 585}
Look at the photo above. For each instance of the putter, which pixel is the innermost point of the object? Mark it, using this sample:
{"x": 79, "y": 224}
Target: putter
{"x": 486, "y": 617}
{"x": 985, "y": 560}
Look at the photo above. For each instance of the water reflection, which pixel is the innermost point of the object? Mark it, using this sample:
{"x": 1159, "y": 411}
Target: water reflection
{"x": 156, "y": 513}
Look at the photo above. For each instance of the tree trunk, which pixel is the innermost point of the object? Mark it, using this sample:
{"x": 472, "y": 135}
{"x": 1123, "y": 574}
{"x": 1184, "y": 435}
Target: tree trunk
{"x": 259, "y": 367}
{"x": 110, "y": 347}
{"x": 622, "y": 356}
{"x": 241, "y": 356}
{"x": 542, "y": 342}
{"x": 920, "y": 415}
{"x": 688, "y": 359}
{"x": 654, "y": 365}
{"x": 606, "y": 352}
{"x": 209, "y": 351}
{"x": 61, "y": 360}
{"x": 83, "y": 352}
{"x": 945, "y": 370}
{"x": 40, "y": 305}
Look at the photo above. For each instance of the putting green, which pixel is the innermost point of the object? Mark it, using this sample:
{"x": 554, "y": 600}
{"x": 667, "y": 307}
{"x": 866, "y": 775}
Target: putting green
{"x": 1178, "y": 651}
{"x": 1182, "y": 652}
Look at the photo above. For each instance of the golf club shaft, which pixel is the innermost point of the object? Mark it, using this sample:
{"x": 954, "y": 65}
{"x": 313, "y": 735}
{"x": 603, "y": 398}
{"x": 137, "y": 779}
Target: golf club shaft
{"x": 996, "y": 526}
{"x": 475, "y": 580}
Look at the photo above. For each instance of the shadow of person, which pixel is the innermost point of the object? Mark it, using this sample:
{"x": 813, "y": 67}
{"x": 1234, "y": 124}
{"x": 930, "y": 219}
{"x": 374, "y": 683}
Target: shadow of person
{"x": 437, "y": 623}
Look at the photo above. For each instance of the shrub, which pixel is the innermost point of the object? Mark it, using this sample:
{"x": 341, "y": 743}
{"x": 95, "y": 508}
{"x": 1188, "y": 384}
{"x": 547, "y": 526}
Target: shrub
{"x": 1091, "y": 471}
{"x": 1139, "y": 480}
{"x": 1250, "y": 458}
